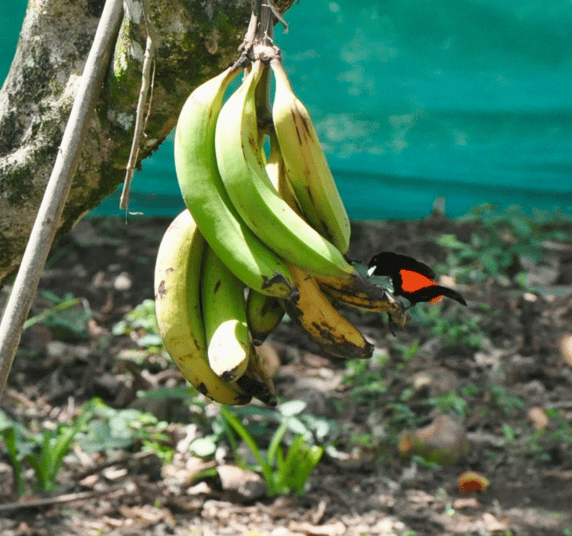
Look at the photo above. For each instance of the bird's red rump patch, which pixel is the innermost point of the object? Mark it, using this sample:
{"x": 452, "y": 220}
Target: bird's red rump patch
{"x": 413, "y": 281}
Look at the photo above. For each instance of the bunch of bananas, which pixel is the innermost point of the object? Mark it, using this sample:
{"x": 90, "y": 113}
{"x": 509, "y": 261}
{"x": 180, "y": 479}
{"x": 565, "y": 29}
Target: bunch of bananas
{"x": 265, "y": 233}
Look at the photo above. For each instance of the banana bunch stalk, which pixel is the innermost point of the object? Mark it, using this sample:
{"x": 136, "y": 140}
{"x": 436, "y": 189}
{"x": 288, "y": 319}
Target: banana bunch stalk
{"x": 264, "y": 234}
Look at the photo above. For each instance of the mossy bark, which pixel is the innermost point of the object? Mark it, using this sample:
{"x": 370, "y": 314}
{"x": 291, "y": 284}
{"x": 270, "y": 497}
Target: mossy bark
{"x": 194, "y": 40}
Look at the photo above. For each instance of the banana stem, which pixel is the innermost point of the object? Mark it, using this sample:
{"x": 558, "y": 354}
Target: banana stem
{"x": 266, "y": 28}
{"x": 258, "y": 42}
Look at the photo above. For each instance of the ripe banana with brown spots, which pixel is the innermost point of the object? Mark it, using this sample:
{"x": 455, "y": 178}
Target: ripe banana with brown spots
{"x": 178, "y": 309}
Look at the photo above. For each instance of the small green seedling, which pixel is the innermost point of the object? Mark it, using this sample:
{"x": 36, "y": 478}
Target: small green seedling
{"x": 282, "y": 473}
{"x": 44, "y": 451}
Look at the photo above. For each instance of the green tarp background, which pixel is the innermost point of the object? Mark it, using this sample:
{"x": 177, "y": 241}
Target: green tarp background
{"x": 415, "y": 99}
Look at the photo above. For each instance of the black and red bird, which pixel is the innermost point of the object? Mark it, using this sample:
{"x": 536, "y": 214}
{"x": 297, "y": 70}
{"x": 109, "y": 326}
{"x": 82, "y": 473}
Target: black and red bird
{"x": 411, "y": 279}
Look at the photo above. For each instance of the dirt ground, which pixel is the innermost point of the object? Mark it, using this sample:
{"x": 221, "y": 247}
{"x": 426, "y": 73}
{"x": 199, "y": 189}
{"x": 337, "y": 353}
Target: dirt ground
{"x": 511, "y": 346}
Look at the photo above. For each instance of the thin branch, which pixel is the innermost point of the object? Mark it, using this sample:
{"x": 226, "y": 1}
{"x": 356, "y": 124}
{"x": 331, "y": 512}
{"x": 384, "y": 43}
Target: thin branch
{"x": 49, "y": 214}
{"x": 60, "y": 499}
{"x": 140, "y": 120}
{"x": 277, "y": 14}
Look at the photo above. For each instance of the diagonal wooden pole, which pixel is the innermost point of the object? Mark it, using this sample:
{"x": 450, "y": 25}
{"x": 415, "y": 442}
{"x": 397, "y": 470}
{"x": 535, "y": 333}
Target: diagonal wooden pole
{"x": 57, "y": 189}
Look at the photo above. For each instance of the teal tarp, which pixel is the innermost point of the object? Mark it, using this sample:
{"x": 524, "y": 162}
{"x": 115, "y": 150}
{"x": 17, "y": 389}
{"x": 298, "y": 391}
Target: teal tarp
{"x": 414, "y": 99}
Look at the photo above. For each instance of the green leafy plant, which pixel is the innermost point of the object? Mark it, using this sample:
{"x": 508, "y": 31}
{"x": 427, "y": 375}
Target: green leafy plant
{"x": 563, "y": 431}
{"x": 12, "y": 433}
{"x": 401, "y": 416}
{"x": 450, "y": 403}
{"x": 507, "y": 234}
{"x": 112, "y": 429}
{"x": 506, "y": 402}
{"x": 389, "y": 413}
{"x": 558, "y": 432}
{"x": 43, "y": 451}
{"x": 453, "y": 327}
{"x": 142, "y": 322}
{"x": 509, "y": 433}
{"x": 67, "y": 317}
{"x": 261, "y": 425}
{"x": 366, "y": 378}
{"x": 282, "y": 472}
{"x": 97, "y": 427}
{"x": 53, "y": 447}
{"x": 408, "y": 352}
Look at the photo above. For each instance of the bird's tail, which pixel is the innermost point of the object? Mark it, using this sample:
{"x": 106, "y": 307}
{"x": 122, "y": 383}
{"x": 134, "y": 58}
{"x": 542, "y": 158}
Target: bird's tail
{"x": 450, "y": 293}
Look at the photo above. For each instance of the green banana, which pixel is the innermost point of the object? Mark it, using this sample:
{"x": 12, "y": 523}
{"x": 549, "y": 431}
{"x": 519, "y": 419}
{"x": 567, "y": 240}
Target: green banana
{"x": 306, "y": 163}
{"x": 263, "y": 313}
{"x": 206, "y": 198}
{"x": 224, "y": 316}
{"x": 178, "y": 309}
{"x": 278, "y": 175}
{"x": 256, "y": 200}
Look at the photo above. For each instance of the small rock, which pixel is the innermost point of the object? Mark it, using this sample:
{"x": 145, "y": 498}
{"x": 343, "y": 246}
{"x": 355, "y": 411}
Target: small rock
{"x": 107, "y": 386}
{"x": 60, "y": 351}
{"x": 443, "y": 441}
{"x": 202, "y": 488}
{"x": 534, "y": 388}
{"x": 39, "y": 336}
{"x": 247, "y": 485}
{"x": 123, "y": 281}
{"x": 435, "y": 381}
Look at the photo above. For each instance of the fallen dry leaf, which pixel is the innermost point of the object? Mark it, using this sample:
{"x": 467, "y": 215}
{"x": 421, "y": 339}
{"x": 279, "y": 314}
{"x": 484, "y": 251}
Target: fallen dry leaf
{"x": 337, "y": 528}
{"x": 472, "y": 481}
{"x": 465, "y": 502}
{"x": 537, "y": 418}
{"x": 566, "y": 348}
{"x": 492, "y": 524}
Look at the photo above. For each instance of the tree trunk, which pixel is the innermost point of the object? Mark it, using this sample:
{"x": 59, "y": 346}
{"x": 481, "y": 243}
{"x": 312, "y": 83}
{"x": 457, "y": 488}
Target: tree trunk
{"x": 193, "y": 39}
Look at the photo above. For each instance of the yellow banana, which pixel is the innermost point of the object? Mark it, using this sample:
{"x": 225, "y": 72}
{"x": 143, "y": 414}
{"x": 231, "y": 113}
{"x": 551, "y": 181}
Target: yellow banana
{"x": 178, "y": 309}
{"x": 224, "y": 316}
{"x": 265, "y": 212}
{"x": 356, "y": 291}
{"x": 306, "y": 163}
{"x": 326, "y": 326}
{"x": 205, "y": 195}
{"x": 313, "y": 311}
{"x": 363, "y": 294}
{"x": 263, "y": 313}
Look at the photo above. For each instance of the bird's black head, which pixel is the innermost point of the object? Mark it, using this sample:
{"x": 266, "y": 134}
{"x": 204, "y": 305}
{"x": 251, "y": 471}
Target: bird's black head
{"x": 389, "y": 263}
{"x": 383, "y": 263}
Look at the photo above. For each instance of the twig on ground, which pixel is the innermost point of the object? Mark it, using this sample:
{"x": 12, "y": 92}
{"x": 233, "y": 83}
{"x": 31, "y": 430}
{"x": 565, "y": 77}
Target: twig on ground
{"x": 59, "y": 499}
